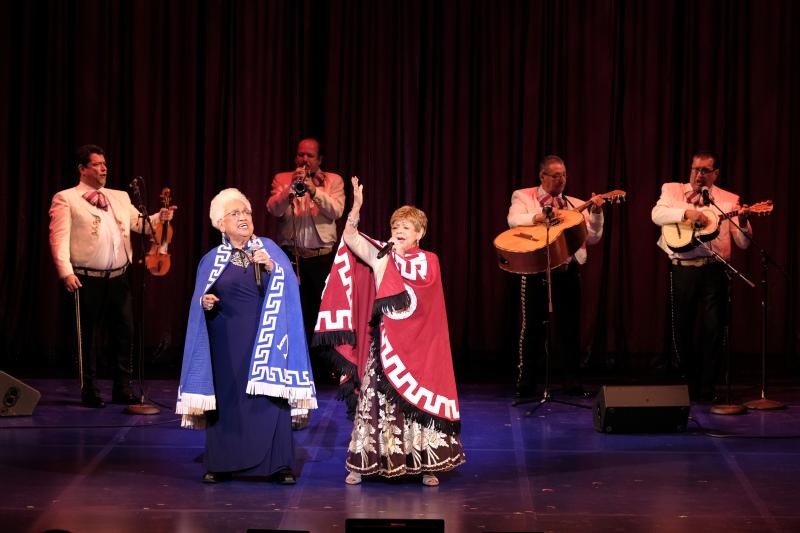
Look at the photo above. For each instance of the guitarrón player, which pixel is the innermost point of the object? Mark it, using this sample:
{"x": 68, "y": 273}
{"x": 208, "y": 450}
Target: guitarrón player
{"x": 697, "y": 282}
{"x": 527, "y": 209}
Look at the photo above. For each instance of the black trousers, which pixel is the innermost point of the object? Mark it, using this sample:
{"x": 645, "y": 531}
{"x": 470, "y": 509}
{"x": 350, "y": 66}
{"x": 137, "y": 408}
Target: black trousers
{"x": 698, "y": 292}
{"x": 566, "y": 328}
{"x": 106, "y": 328}
{"x": 313, "y": 273}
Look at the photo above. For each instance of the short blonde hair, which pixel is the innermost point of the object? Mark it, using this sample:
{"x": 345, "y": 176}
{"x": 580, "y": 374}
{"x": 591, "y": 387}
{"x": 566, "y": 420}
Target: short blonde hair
{"x": 216, "y": 211}
{"x": 413, "y": 215}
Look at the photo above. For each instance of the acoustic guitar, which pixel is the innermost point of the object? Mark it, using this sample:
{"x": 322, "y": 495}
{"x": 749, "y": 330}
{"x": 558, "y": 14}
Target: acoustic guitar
{"x": 523, "y": 250}
{"x": 684, "y": 236}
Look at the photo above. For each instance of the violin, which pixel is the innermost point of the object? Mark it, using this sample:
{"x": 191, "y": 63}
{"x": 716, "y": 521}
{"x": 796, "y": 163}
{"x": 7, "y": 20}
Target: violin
{"x": 157, "y": 259}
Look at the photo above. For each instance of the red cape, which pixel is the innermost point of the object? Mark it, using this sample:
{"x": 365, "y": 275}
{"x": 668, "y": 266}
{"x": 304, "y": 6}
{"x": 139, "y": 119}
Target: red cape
{"x": 409, "y": 318}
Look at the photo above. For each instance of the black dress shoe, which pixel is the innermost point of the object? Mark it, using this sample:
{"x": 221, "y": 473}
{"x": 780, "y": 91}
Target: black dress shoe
{"x": 523, "y": 393}
{"x": 575, "y": 390}
{"x": 124, "y": 397}
{"x": 91, "y": 398}
{"x": 217, "y": 477}
{"x": 300, "y": 421}
{"x": 284, "y": 477}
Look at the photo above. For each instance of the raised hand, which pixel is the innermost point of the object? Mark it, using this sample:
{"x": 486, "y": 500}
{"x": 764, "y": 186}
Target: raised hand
{"x": 358, "y": 199}
{"x": 358, "y": 195}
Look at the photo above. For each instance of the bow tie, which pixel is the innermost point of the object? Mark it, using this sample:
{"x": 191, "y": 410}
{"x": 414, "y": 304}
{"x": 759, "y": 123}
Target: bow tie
{"x": 97, "y": 199}
{"x": 696, "y": 198}
{"x": 318, "y": 178}
{"x": 555, "y": 201}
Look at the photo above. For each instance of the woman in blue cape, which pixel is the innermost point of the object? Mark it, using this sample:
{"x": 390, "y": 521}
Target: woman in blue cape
{"x": 245, "y": 362}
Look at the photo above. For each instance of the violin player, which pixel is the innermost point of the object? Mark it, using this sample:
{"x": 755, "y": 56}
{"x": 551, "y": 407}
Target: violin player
{"x": 90, "y": 241}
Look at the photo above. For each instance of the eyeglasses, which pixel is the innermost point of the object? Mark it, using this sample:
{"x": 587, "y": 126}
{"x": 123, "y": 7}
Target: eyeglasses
{"x": 702, "y": 170}
{"x": 238, "y": 212}
{"x": 557, "y": 175}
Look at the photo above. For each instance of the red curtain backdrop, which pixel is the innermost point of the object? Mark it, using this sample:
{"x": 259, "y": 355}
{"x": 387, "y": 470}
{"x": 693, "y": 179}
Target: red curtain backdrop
{"x": 445, "y": 104}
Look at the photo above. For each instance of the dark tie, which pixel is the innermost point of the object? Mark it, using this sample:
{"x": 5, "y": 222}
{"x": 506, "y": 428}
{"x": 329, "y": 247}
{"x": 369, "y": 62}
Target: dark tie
{"x": 97, "y": 199}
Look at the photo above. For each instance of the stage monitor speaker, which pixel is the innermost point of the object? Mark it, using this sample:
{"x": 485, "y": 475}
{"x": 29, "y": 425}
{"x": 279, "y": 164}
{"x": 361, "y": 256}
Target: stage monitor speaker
{"x": 421, "y": 525}
{"x": 641, "y": 409}
{"x": 16, "y": 398}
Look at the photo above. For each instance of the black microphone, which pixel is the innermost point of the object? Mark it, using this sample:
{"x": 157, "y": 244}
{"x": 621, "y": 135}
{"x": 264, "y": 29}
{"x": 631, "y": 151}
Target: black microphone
{"x": 257, "y": 266}
{"x": 386, "y": 249}
{"x": 706, "y": 198}
{"x": 548, "y": 212}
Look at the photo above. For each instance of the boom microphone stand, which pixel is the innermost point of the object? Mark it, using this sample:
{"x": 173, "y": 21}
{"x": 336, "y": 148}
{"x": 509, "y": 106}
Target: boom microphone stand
{"x": 143, "y": 407}
{"x": 548, "y": 323}
{"x": 727, "y": 408}
{"x": 762, "y": 403}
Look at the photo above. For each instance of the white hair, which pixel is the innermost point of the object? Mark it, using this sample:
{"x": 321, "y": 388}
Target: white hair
{"x": 216, "y": 212}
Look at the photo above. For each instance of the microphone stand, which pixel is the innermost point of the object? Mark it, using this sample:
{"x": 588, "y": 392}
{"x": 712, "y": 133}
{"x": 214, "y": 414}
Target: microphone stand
{"x": 296, "y": 253}
{"x": 548, "y": 324}
{"x": 763, "y": 403}
{"x": 142, "y": 408}
{"x": 727, "y": 408}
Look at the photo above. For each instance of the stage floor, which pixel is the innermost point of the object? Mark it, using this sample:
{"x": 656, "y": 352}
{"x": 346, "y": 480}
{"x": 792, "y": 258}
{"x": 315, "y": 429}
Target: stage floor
{"x": 101, "y": 470}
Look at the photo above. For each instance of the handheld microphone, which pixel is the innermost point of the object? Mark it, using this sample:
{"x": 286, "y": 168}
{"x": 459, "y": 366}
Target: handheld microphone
{"x": 385, "y": 250}
{"x": 257, "y": 266}
{"x": 706, "y": 196}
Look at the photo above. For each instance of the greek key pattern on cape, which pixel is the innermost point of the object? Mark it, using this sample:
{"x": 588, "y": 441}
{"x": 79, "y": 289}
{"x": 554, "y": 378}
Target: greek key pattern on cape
{"x": 413, "y": 268}
{"x": 266, "y": 330}
{"x": 339, "y": 319}
{"x": 409, "y": 387}
{"x": 220, "y": 260}
{"x": 281, "y": 376}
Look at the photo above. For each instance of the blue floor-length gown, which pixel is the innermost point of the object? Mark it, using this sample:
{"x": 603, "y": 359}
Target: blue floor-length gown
{"x": 248, "y": 435}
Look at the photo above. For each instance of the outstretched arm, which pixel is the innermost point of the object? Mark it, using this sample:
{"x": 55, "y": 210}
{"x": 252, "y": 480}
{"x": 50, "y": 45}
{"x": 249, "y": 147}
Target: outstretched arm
{"x": 357, "y": 244}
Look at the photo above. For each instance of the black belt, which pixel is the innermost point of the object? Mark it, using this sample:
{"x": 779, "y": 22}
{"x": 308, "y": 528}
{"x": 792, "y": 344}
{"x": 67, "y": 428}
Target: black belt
{"x": 696, "y": 262}
{"x": 566, "y": 267}
{"x": 306, "y": 253}
{"x": 562, "y": 268}
{"x": 92, "y": 273}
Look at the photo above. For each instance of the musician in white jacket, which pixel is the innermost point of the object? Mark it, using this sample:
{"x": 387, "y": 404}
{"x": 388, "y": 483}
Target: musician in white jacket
{"x": 527, "y": 208}
{"x": 697, "y": 279}
{"x": 90, "y": 240}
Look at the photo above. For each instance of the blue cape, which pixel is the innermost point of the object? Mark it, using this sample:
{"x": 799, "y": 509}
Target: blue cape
{"x": 279, "y": 362}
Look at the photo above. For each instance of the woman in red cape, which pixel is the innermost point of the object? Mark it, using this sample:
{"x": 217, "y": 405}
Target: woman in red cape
{"x": 383, "y": 313}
